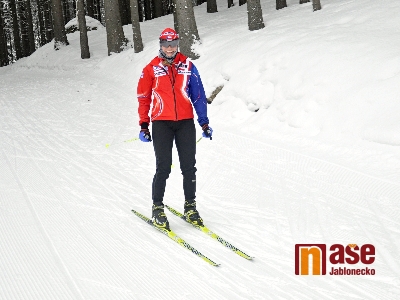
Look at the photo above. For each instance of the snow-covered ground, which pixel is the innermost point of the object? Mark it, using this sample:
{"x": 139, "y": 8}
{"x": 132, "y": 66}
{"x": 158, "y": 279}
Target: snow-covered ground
{"x": 306, "y": 150}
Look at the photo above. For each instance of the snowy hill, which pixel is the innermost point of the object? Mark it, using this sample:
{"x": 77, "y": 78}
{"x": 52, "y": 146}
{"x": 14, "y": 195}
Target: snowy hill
{"x": 305, "y": 150}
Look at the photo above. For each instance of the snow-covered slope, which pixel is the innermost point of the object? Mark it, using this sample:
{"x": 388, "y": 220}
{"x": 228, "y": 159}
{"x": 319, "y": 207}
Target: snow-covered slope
{"x": 305, "y": 150}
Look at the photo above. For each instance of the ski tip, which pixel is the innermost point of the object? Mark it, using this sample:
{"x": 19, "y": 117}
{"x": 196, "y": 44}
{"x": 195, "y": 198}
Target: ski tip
{"x": 214, "y": 264}
{"x": 244, "y": 255}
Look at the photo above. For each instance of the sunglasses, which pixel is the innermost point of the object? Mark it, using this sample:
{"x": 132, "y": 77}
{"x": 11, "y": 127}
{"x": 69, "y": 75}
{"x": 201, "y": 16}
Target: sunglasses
{"x": 172, "y": 43}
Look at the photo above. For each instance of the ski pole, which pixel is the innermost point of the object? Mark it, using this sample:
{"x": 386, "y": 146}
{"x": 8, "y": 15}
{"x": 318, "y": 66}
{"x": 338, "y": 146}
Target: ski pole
{"x": 126, "y": 141}
{"x": 199, "y": 140}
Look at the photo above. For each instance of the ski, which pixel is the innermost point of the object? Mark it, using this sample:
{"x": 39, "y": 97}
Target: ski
{"x": 172, "y": 235}
{"x": 211, "y": 234}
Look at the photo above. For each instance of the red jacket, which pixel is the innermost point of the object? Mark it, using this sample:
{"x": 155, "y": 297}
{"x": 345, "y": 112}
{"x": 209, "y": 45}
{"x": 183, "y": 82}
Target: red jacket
{"x": 174, "y": 89}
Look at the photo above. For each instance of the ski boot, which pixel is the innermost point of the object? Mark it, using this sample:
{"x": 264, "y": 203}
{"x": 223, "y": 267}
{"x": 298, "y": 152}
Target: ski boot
{"x": 191, "y": 213}
{"x": 159, "y": 218}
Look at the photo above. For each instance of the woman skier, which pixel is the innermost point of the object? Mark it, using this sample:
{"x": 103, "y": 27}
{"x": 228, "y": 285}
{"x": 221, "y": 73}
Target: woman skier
{"x": 172, "y": 85}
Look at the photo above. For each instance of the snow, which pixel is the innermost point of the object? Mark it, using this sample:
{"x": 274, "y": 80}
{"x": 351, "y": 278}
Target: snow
{"x": 305, "y": 149}
{"x": 91, "y": 24}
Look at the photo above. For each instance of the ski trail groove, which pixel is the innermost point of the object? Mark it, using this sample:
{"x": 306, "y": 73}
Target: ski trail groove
{"x": 69, "y": 279}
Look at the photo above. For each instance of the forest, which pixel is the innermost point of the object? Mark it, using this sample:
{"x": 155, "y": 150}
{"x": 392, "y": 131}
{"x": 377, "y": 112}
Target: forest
{"x": 26, "y": 25}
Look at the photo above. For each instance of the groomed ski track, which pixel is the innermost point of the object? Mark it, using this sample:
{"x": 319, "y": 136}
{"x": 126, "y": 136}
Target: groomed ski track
{"x": 67, "y": 232}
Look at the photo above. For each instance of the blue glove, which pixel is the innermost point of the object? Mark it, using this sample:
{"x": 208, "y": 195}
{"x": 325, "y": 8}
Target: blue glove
{"x": 207, "y": 131}
{"x": 144, "y": 134}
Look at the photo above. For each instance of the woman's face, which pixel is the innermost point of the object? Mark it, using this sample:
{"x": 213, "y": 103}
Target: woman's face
{"x": 169, "y": 51}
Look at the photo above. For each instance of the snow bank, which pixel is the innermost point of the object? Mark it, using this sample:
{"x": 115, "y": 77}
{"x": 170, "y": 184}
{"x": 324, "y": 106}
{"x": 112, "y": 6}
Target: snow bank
{"x": 333, "y": 73}
{"x": 91, "y": 24}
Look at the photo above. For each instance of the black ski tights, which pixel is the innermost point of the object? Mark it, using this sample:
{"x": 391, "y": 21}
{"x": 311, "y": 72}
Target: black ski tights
{"x": 184, "y": 134}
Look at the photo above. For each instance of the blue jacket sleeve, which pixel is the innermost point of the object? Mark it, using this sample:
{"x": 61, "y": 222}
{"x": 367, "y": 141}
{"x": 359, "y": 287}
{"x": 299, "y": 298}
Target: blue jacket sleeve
{"x": 198, "y": 96}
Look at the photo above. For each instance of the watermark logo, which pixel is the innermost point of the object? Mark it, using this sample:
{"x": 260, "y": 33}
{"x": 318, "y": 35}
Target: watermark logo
{"x": 312, "y": 259}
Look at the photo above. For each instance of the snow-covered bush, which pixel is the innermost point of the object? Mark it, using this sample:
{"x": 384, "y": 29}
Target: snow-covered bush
{"x": 91, "y": 24}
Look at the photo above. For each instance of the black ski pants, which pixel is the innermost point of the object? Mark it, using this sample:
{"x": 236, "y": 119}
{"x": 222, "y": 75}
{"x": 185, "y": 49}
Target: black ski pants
{"x": 164, "y": 133}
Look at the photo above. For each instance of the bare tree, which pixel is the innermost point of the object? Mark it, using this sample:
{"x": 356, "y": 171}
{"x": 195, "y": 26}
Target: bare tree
{"x": 242, "y": 2}
{"x": 230, "y": 3}
{"x": 124, "y": 11}
{"x": 115, "y": 35}
{"x": 280, "y": 4}
{"x": 90, "y": 8}
{"x": 67, "y": 11}
{"x": 80, "y": 7}
{"x": 26, "y": 27}
{"x": 147, "y": 9}
{"x": 157, "y": 8}
{"x": 176, "y": 25}
{"x": 3, "y": 41}
{"x": 212, "y": 6}
{"x": 137, "y": 35}
{"x": 41, "y": 25}
{"x": 98, "y": 10}
{"x": 254, "y": 14}
{"x": 23, "y": 29}
{"x": 60, "y": 37}
{"x": 316, "y": 4}
{"x": 188, "y": 33}
{"x": 44, "y": 21}
{"x": 29, "y": 20}
{"x": 15, "y": 29}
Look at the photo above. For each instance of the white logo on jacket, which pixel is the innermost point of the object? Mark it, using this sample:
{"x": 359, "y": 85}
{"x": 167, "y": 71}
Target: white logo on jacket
{"x": 159, "y": 71}
{"x": 184, "y": 69}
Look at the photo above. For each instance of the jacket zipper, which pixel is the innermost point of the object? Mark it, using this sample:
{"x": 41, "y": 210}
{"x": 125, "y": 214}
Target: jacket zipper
{"x": 173, "y": 90}
{"x": 173, "y": 80}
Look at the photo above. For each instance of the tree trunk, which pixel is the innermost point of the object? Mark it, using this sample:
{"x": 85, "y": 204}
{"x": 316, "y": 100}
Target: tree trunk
{"x": 80, "y": 7}
{"x": 3, "y": 42}
{"x": 254, "y": 14}
{"x": 97, "y": 11}
{"x": 47, "y": 21}
{"x": 15, "y": 29}
{"x": 230, "y": 3}
{"x": 123, "y": 10}
{"x": 212, "y": 6}
{"x": 316, "y": 4}
{"x": 137, "y": 35}
{"x": 29, "y": 20}
{"x": 304, "y": 1}
{"x": 128, "y": 10}
{"x": 23, "y": 28}
{"x": 280, "y": 4}
{"x": 147, "y": 9}
{"x": 242, "y": 2}
{"x": 66, "y": 10}
{"x": 140, "y": 11}
{"x": 90, "y": 8}
{"x": 188, "y": 33}
{"x": 42, "y": 31}
{"x": 157, "y": 8}
{"x": 176, "y": 25}
{"x": 60, "y": 37}
{"x": 115, "y": 35}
